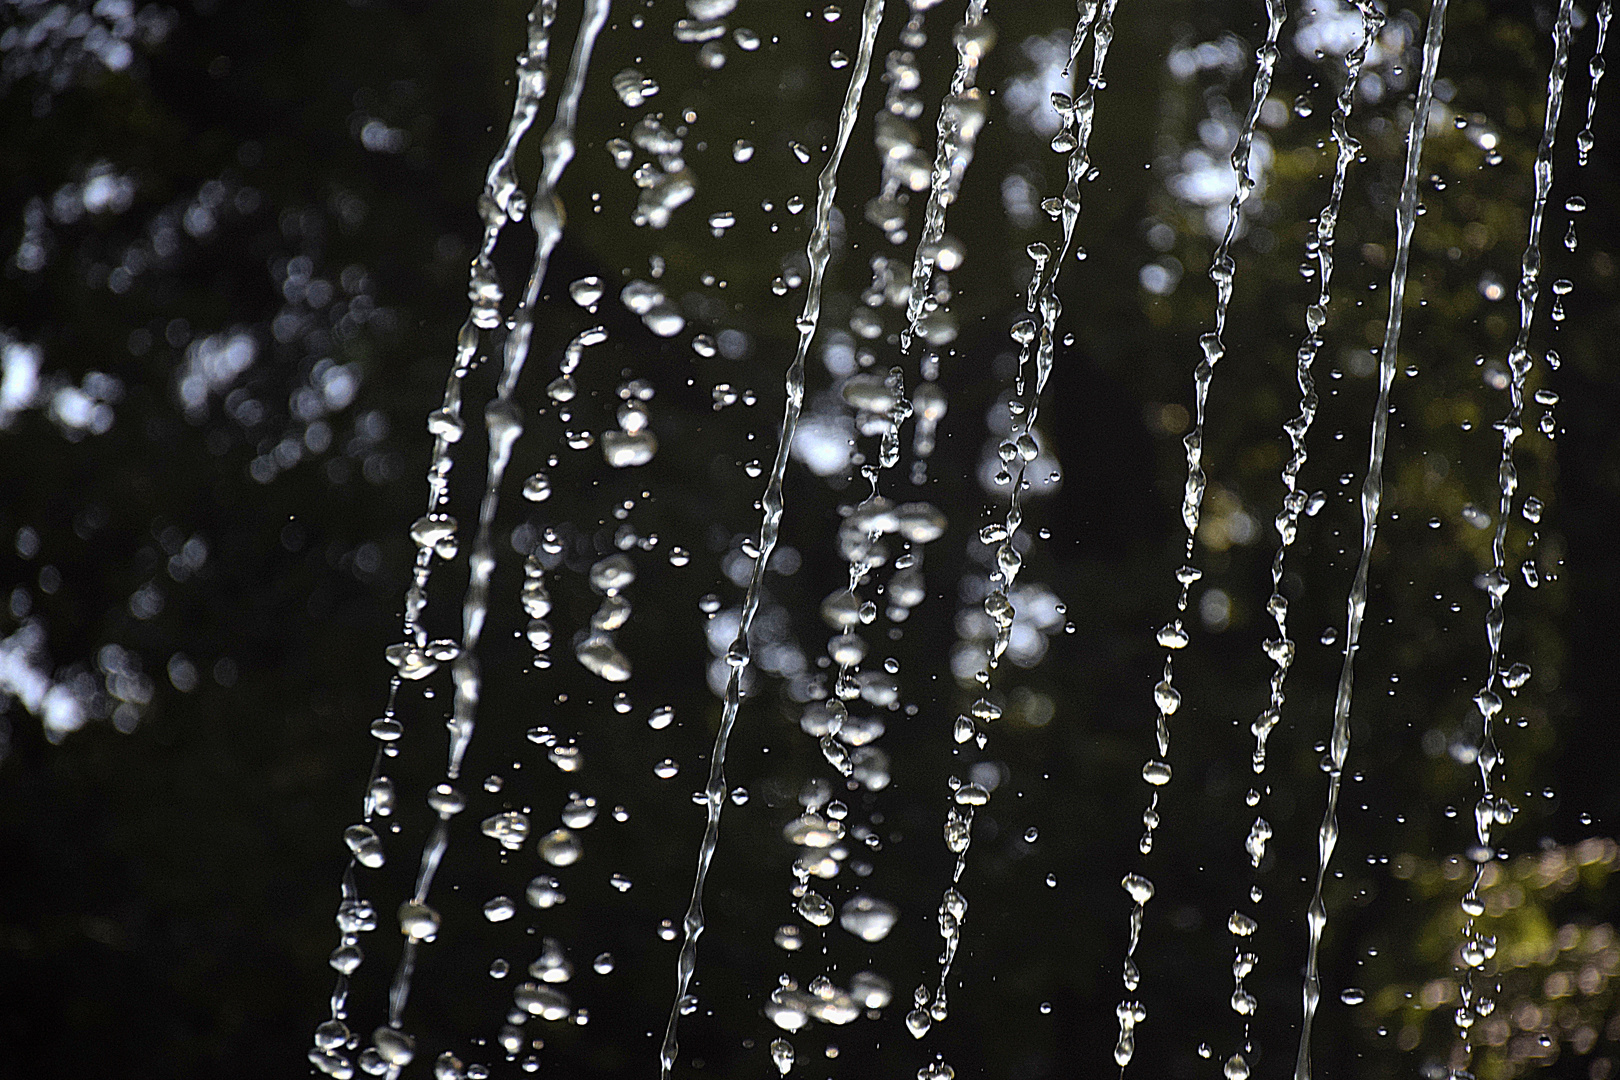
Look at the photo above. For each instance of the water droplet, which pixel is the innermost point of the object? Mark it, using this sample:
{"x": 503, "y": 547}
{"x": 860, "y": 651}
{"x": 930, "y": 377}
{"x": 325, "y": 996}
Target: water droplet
{"x": 624, "y": 450}
{"x": 634, "y": 88}
{"x": 782, "y": 1056}
{"x": 586, "y": 291}
{"x": 365, "y": 845}
{"x": 815, "y": 909}
{"x": 561, "y": 847}
{"x": 544, "y": 892}
{"x": 446, "y": 800}
{"x": 418, "y": 921}
{"x": 578, "y": 812}
{"x": 546, "y": 1002}
{"x": 394, "y": 1046}
{"x": 537, "y": 488}
{"x": 867, "y": 918}
{"x": 598, "y": 654}
{"x": 510, "y": 829}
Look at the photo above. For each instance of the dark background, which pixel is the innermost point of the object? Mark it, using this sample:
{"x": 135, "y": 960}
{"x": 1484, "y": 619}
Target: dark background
{"x": 168, "y": 873}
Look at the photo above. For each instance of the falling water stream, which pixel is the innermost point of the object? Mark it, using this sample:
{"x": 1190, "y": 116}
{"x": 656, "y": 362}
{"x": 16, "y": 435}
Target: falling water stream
{"x": 1173, "y": 636}
{"x": 1492, "y": 808}
{"x": 1372, "y": 494}
{"x": 818, "y": 251}
{"x": 1020, "y": 448}
{"x": 1281, "y": 649}
{"x": 883, "y": 380}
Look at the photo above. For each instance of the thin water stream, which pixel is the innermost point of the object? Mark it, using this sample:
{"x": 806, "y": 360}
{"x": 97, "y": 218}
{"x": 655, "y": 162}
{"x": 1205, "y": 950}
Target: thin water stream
{"x": 1173, "y": 636}
{"x": 1372, "y": 494}
{"x": 1492, "y": 807}
{"x": 773, "y": 506}
{"x": 1281, "y": 650}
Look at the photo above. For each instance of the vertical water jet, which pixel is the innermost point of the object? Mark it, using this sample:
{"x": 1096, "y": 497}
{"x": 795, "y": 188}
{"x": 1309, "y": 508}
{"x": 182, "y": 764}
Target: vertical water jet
{"x": 434, "y": 535}
{"x": 817, "y": 251}
{"x": 1281, "y": 649}
{"x": 1173, "y": 636}
{"x": 1372, "y": 494}
{"x": 1076, "y": 118}
{"x": 1490, "y": 809}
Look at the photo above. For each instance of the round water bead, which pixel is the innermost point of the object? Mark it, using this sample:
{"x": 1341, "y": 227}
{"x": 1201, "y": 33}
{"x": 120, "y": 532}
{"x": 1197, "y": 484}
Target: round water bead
{"x": 418, "y": 922}
{"x": 544, "y": 892}
{"x": 561, "y": 847}
{"x": 867, "y": 918}
{"x": 815, "y": 909}
{"x": 579, "y": 812}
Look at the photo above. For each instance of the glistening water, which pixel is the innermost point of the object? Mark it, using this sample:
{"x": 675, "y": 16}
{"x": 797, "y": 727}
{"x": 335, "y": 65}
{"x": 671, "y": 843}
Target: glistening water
{"x": 838, "y": 829}
{"x": 867, "y": 367}
{"x": 856, "y": 438}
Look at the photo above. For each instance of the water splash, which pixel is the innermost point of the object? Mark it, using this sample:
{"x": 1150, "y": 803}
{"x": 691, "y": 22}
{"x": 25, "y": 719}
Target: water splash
{"x": 1490, "y": 809}
{"x": 1372, "y": 493}
{"x": 817, "y": 250}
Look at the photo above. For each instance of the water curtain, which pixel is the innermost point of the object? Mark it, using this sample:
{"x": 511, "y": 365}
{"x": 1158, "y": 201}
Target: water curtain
{"x": 836, "y": 510}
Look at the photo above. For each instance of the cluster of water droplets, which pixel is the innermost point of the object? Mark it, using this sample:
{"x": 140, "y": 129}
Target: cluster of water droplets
{"x": 822, "y": 834}
{"x": 1574, "y": 206}
{"x": 904, "y": 167}
{"x": 542, "y": 996}
{"x": 663, "y": 179}
{"x": 961, "y": 116}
